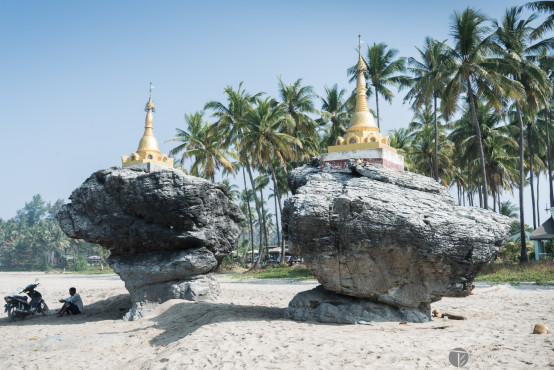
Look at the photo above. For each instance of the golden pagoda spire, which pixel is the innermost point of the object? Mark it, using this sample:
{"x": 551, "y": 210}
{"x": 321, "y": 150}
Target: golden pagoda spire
{"x": 148, "y": 148}
{"x": 362, "y": 116}
{"x": 148, "y": 142}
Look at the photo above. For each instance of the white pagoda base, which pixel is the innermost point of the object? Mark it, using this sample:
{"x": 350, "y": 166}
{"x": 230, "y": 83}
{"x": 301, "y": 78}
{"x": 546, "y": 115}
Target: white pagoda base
{"x": 338, "y": 161}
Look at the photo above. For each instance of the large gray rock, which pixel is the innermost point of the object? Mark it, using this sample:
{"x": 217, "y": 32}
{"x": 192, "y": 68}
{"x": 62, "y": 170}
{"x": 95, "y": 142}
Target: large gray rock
{"x": 146, "y": 208}
{"x": 166, "y": 231}
{"x": 388, "y": 236}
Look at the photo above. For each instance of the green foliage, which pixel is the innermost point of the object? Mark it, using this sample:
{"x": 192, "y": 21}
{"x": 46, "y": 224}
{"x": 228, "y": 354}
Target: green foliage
{"x": 80, "y": 264}
{"x": 33, "y": 240}
{"x": 514, "y": 228}
{"x": 277, "y": 272}
{"x": 512, "y": 250}
{"x": 44, "y": 264}
{"x": 541, "y": 273}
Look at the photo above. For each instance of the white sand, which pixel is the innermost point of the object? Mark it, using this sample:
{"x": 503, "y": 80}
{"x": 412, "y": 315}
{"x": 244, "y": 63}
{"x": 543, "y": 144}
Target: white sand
{"x": 245, "y": 329}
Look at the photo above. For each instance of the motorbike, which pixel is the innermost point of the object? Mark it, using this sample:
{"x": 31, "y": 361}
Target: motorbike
{"x": 18, "y": 308}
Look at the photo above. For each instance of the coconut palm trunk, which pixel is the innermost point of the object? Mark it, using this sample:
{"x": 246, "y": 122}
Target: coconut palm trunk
{"x": 531, "y": 155}
{"x": 377, "y": 106}
{"x": 479, "y": 143}
{"x": 263, "y": 222}
{"x": 249, "y": 214}
{"x": 278, "y": 200}
{"x": 538, "y": 203}
{"x": 524, "y": 257}
{"x": 549, "y": 157}
{"x": 258, "y": 211}
{"x": 277, "y": 222}
{"x": 436, "y": 138}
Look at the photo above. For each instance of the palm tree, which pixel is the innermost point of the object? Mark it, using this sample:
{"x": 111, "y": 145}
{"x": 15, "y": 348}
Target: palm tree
{"x": 495, "y": 141}
{"x": 204, "y": 143}
{"x": 383, "y": 72}
{"x": 401, "y": 140}
{"x": 470, "y": 68}
{"x": 231, "y": 123}
{"x": 264, "y": 141}
{"x": 298, "y": 102}
{"x": 428, "y": 83}
{"x": 543, "y": 120}
{"x": 546, "y": 63}
{"x": 233, "y": 188}
{"x": 422, "y": 153}
{"x": 509, "y": 209}
{"x": 548, "y": 24}
{"x": 334, "y": 108}
{"x": 514, "y": 34}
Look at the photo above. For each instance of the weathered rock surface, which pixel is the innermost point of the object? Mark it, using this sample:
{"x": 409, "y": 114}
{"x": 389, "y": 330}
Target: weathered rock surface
{"x": 166, "y": 231}
{"x": 146, "y": 208}
{"x": 388, "y": 236}
{"x": 329, "y": 307}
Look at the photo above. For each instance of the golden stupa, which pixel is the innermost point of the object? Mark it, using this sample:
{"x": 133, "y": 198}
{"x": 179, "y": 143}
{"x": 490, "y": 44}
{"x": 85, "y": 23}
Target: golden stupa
{"x": 363, "y": 140}
{"x": 148, "y": 149}
{"x": 362, "y": 133}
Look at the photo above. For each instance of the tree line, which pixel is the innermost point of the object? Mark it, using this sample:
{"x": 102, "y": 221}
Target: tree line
{"x": 481, "y": 121}
{"x": 33, "y": 240}
{"x": 481, "y": 125}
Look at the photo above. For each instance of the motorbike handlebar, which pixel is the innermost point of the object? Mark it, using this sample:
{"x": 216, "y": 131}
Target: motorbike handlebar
{"x": 30, "y": 286}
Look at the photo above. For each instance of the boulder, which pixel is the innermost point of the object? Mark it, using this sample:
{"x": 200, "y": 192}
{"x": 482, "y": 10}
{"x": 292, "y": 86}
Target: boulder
{"x": 388, "y": 236}
{"x": 166, "y": 231}
{"x": 329, "y": 307}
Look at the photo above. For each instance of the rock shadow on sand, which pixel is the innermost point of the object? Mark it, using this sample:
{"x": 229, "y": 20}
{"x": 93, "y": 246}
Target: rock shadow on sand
{"x": 183, "y": 319}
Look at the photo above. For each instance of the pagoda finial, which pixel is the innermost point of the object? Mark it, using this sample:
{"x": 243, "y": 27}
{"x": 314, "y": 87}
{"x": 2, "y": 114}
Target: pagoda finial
{"x": 362, "y": 116}
{"x": 360, "y": 66}
{"x": 150, "y": 105}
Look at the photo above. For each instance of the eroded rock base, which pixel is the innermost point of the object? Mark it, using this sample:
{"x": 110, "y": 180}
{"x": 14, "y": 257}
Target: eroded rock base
{"x": 324, "y": 306}
{"x": 148, "y": 297}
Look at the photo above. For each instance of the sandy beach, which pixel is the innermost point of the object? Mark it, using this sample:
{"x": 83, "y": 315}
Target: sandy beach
{"x": 245, "y": 329}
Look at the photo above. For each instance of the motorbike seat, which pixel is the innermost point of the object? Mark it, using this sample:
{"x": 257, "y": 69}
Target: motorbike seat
{"x": 24, "y": 297}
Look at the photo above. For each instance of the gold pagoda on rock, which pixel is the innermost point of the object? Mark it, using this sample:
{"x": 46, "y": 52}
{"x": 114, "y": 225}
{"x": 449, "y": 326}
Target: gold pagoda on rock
{"x": 363, "y": 133}
{"x": 148, "y": 149}
{"x": 363, "y": 140}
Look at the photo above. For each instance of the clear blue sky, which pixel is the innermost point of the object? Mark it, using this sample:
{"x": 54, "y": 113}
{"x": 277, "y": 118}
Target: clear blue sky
{"x": 75, "y": 73}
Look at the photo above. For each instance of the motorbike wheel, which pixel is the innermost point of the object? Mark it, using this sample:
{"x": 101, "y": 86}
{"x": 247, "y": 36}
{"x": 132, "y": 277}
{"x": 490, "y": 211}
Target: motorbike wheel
{"x": 44, "y": 309}
{"x": 14, "y": 315}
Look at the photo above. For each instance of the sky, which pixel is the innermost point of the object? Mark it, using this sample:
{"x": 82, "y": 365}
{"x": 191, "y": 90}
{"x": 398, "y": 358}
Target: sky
{"x": 75, "y": 74}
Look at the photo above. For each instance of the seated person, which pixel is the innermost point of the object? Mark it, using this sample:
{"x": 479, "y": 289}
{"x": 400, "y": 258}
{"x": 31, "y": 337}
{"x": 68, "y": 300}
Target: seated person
{"x": 72, "y": 305}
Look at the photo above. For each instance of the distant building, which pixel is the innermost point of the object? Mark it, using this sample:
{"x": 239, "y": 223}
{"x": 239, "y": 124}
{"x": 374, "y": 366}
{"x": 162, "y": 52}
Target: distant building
{"x": 543, "y": 232}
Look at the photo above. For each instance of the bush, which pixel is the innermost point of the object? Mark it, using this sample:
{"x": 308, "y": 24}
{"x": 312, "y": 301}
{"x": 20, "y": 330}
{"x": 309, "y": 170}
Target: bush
{"x": 80, "y": 264}
{"x": 540, "y": 273}
{"x": 44, "y": 265}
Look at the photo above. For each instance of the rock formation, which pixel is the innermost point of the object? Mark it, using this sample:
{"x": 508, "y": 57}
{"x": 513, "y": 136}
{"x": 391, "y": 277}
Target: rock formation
{"x": 166, "y": 231}
{"x": 387, "y": 236}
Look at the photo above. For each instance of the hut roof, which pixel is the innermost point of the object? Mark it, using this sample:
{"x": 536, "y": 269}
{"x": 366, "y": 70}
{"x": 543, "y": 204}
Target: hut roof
{"x": 545, "y": 231}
